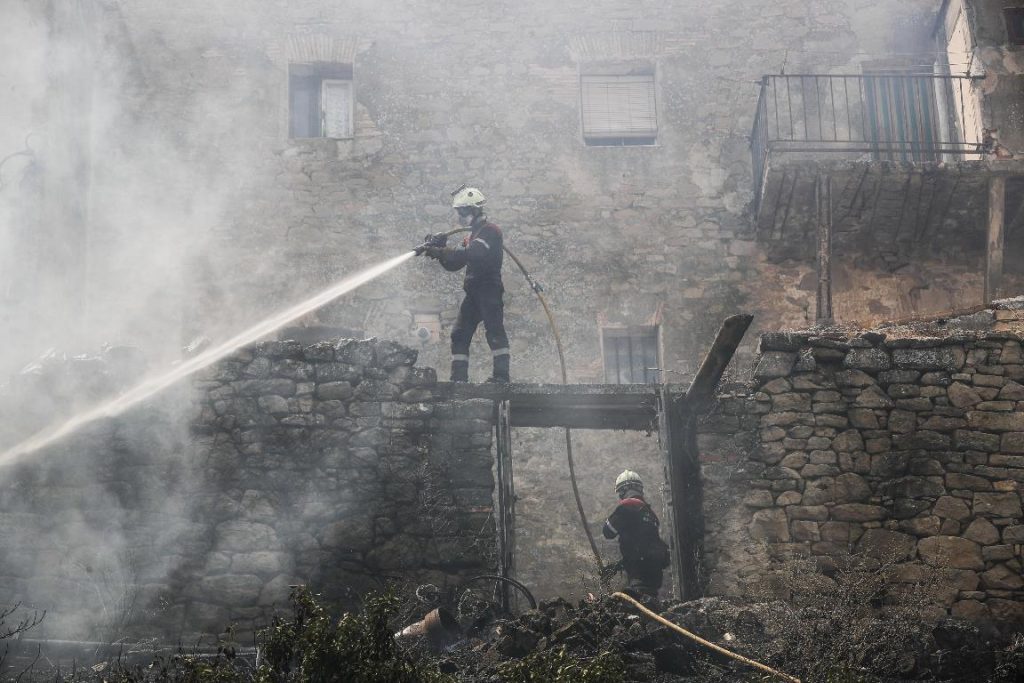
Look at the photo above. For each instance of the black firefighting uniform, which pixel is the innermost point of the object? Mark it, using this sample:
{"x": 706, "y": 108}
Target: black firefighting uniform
{"x": 481, "y": 255}
{"x": 644, "y": 554}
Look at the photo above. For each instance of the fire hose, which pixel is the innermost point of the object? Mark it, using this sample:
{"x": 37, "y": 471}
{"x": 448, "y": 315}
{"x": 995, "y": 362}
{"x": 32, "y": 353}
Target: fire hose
{"x": 539, "y": 291}
{"x": 708, "y": 644}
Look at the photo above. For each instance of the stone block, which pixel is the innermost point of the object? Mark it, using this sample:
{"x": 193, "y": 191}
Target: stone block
{"x": 840, "y": 532}
{"x": 389, "y": 354}
{"x": 949, "y": 507}
{"x": 868, "y": 359}
{"x": 854, "y": 378}
{"x": 335, "y": 391}
{"x": 913, "y": 487}
{"x": 1012, "y": 442}
{"x": 779, "y": 385}
{"x": 817, "y": 471}
{"x": 791, "y": 401}
{"x": 887, "y": 546}
{"x": 966, "y": 440}
{"x": 774, "y": 364}
{"x": 994, "y": 381}
{"x": 794, "y": 461}
{"x": 803, "y": 530}
{"x": 260, "y": 387}
{"x": 963, "y": 396}
{"x": 902, "y": 421}
{"x": 789, "y": 498}
{"x": 998, "y": 553}
{"x": 863, "y": 418}
{"x": 997, "y": 505}
{"x": 1002, "y": 577}
{"x": 996, "y": 422}
{"x": 1000, "y": 460}
{"x": 982, "y": 532}
{"x": 833, "y": 421}
{"x": 858, "y": 512}
{"x": 1012, "y": 391}
{"x": 970, "y": 482}
{"x": 815, "y": 513}
{"x": 850, "y": 488}
{"x": 782, "y": 341}
{"x": 849, "y": 440}
{"x": 259, "y": 563}
{"x": 770, "y": 525}
{"x": 355, "y": 351}
{"x": 950, "y": 551}
{"x": 923, "y": 440}
{"x": 943, "y": 424}
{"x": 818, "y": 491}
{"x": 873, "y": 397}
{"x": 888, "y": 465}
{"x": 948, "y": 358}
{"x": 1014, "y": 534}
{"x": 928, "y": 525}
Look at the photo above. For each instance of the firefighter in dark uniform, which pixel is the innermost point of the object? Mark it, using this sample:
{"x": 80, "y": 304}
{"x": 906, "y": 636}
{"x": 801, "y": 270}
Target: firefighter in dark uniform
{"x": 481, "y": 254}
{"x": 644, "y": 554}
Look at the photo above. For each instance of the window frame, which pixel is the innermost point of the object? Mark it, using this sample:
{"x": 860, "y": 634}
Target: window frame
{"x": 649, "y": 337}
{"x": 1014, "y": 19}
{"x": 314, "y": 75}
{"x": 622, "y": 72}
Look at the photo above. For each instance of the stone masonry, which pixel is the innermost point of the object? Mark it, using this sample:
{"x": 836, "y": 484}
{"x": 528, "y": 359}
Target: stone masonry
{"x": 333, "y": 465}
{"x": 902, "y": 446}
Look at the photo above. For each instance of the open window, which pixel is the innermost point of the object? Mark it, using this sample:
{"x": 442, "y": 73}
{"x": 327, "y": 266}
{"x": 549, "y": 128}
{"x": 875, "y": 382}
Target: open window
{"x": 1014, "y": 25}
{"x": 320, "y": 100}
{"x": 618, "y": 106}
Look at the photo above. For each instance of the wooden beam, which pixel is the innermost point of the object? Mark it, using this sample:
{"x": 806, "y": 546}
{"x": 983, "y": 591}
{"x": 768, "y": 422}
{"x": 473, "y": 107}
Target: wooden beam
{"x": 677, "y": 420}
{"x": 823, "y": 192}
{"x": 711, "y": 369}
{"x": 996, "y": 238}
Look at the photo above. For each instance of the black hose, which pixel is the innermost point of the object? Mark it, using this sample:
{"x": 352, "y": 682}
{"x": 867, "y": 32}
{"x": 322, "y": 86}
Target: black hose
{"x": 512, "y": 582}
{"x": 538, "y": 290}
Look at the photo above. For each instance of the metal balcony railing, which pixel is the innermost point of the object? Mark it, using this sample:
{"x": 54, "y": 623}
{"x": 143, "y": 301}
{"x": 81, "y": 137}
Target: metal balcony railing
{"x": 897, "y": 117}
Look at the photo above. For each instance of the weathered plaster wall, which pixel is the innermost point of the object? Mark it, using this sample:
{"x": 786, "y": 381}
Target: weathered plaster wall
{"x": 335, "y": 465}
{"x": 1004, "y": 72}
{"x": 901, "y": 449}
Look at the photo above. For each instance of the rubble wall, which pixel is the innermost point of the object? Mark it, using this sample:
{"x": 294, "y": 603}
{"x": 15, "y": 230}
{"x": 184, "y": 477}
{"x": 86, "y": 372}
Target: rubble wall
{"x": 905, "y": 449}
{"x": 332, "y": 465}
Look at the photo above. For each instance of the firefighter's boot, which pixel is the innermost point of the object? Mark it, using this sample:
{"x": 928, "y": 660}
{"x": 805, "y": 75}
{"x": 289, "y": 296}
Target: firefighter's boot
{"x": 460, "y": 370}
{"x": 500, "y": 374}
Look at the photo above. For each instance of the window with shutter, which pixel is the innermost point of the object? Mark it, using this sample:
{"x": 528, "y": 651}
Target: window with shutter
{"x": 630, "y": 354}
{"x": 320, "y": 101}
{"x": 619, "y": 110}
{"x": 336, "y": 97}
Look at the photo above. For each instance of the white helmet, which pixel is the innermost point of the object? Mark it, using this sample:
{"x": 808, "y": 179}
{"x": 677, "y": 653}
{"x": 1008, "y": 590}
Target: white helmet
{"x": 467, "y": 196}
{"x": 628, "y": 480}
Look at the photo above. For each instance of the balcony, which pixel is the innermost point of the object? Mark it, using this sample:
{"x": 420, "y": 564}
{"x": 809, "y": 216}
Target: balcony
{"x": 887, "y": 169}
{"x": 880, "y": 117}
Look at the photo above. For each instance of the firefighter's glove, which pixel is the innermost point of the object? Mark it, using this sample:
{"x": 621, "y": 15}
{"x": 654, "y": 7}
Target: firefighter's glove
{"x": 438, "y": 240}
{"x": 434, "y": 252}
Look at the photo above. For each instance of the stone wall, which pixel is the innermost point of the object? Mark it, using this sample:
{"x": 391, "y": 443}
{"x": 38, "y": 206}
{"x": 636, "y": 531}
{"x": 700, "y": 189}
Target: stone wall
{"x": 334, "y": 465}
{"x": 900, "y": 445}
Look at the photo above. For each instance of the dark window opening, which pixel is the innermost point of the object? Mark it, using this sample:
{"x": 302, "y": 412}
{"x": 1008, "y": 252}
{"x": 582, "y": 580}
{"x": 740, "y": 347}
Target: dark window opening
{"x": 631, "y": 355}
{"x": 1014, "y": 24}
{"x": 320, "y": 100}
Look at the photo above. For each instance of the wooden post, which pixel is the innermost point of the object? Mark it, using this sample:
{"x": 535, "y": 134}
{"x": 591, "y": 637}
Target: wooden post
{"x": 996, "y": 238}
{"x": 823, "y": 193}
{"x": 678, "y": 424}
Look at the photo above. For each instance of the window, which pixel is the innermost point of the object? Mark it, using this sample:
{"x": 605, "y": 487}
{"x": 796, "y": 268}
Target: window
{"x": 630, "y": 354}
{"x": 1014, "y": 24}
{"x": 901, "y": 115}
{"x": 619, "y": 109}
{"x": 320, "y": 101}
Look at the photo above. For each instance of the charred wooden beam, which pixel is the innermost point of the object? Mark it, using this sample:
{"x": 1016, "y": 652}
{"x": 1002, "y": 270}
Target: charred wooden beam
{"x": 996, "y": 238}
{"x": 823, "y": 193}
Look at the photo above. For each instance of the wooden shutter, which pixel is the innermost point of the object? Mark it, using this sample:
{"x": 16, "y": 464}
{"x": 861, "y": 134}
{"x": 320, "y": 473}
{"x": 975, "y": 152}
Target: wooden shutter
{"x": 336, "y": 101}
{"x": 303, "y": 105}
{"x": 619, "y": 107}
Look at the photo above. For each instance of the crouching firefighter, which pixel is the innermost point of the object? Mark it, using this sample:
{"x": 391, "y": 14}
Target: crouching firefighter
{"x": 481, "y": 255}
{"x": 644, "y": 554}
